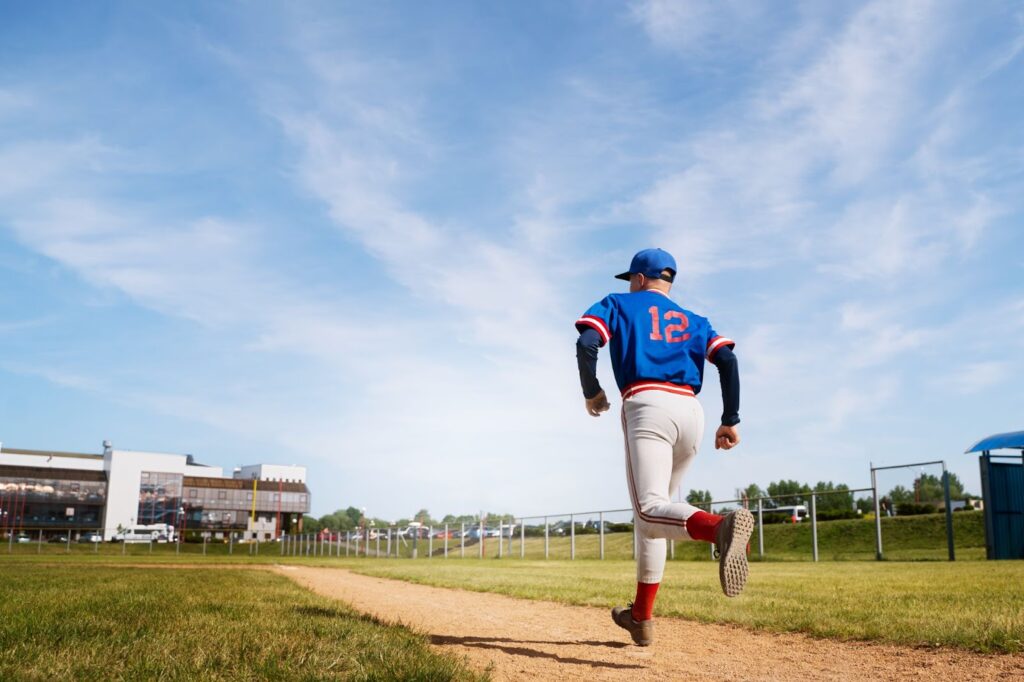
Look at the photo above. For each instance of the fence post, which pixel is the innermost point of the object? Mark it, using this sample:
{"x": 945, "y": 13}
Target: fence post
{"x": 39, "y": 549}
{"x": 69, "y": 543}
{"x": 483, "y": 534}
{"x": 377, "y": 545}
{"x": 671, "y": 549}
{"x": 600, "y": 521}
{"x": 949, "y": 512}
{"x": 572, "y": 537}
{"x": 348, "y": 541}
{"x": 760, "y": 528}
{"x": 462, "y": 541}
{"x": 10, "y": 541}
{"x": 204, "y": 545}
{"x": 389, "y": 543}
{"x": 878, "y": 514}
{"x": 522, "y": 538}
{"x": 814, "y": 525}
{"x": 430, "y": 541}
{"x": 446, "y": 541}
{"x": 501, "y": 539}
{"x": 547, "y": 538}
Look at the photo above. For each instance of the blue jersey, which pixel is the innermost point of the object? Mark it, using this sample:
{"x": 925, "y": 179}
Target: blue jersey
{"x": 654, "y": 342}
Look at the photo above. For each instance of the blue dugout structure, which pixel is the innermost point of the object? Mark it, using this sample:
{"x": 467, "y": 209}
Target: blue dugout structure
{"x": 1002, "y": 489}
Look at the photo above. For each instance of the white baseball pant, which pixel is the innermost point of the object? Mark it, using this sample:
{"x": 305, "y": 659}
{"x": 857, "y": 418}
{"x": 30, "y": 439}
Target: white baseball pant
{"x": 662, "y": 432}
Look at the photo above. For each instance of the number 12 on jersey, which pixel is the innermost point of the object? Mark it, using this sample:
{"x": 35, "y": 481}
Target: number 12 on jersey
{"x": 674, "y": 333}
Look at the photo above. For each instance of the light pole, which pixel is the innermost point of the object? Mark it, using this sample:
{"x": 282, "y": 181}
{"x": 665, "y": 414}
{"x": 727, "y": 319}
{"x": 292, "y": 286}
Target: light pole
{"x": 366, "y": 536}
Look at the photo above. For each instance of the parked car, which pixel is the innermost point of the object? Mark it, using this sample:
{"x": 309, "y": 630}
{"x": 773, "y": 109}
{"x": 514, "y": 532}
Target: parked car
{"x": 90, "y": 537}
{"x": 59, "y": 538}
{"x": 22, "y": 538}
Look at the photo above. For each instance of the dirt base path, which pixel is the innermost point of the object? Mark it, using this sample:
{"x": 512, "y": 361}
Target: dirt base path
{"x": 519, "y": 639}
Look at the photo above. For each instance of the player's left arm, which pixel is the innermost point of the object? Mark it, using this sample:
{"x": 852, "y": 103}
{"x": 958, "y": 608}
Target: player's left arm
{"x": 728, "y": 435}
{"x": 586, "y": 359}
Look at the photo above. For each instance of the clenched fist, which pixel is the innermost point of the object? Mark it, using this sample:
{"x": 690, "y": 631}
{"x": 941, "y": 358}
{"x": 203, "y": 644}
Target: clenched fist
{"x": 727, "y": 437}
{"x": 597, "y": 405}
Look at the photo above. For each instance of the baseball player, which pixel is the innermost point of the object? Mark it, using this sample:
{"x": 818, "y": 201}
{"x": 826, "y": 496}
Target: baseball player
{"x": 658, "y": 350}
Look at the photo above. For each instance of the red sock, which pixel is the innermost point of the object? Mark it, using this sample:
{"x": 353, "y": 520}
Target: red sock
{"x": 643, "y": 605}
{"x": 703, "y": 526}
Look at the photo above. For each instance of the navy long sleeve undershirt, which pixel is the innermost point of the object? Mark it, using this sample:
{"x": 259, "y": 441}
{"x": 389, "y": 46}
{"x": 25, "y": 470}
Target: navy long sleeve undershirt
{"x": 725, "y": 360}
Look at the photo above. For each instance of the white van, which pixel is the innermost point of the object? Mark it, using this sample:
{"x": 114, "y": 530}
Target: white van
{"x": 157, "y": 532}
{"x": 796, "y": 513}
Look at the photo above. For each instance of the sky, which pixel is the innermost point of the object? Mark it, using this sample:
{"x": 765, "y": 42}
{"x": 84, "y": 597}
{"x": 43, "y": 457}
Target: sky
{"x": 355, "y": 236}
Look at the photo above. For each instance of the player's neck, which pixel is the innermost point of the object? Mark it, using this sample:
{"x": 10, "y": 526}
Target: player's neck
{"x": 655, "y": 291}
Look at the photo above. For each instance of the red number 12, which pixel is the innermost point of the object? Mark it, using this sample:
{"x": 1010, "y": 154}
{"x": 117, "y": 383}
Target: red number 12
{"x": 670, "y": 330}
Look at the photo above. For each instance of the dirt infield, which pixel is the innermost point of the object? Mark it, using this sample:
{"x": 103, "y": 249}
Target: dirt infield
{"x": 518, "y": 639}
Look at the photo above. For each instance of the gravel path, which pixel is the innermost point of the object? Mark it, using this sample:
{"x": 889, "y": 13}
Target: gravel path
{"x": 518, "y": 639}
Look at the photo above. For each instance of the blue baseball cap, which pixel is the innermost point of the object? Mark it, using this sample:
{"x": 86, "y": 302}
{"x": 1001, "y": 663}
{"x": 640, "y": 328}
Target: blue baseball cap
{"x": 650, "y": 263}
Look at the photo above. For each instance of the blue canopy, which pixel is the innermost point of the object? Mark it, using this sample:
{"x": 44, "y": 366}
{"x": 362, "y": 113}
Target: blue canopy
{"x": 1013, "y": 440}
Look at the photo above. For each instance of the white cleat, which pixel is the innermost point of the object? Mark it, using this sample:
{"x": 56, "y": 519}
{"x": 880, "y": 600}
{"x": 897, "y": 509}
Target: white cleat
{"x": 731, "y": 542}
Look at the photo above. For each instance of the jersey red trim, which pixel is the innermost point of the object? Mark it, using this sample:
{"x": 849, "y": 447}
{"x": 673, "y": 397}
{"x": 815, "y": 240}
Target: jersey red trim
{"x": 716, "y": 343}
{"x": 641, "y": 386}
{"x": 597, "y": 324}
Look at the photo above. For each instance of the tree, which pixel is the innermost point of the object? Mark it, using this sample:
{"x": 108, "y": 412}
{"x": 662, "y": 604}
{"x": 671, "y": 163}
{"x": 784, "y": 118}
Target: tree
{"x": 355, "y": 515}
{"x": 788, "y": 493}
{"x": 841, "y": 501}
{"x": 900, "y": 495}
{"x": 866, "y": 505}
{"x": 494, "y": 518}
{"x": 310, "y": 524}
{"x": 699, "y": 498}
{"x": 423, "y": 516}
{"x": 928, "y": 488}
{"x": 752, "y": 492}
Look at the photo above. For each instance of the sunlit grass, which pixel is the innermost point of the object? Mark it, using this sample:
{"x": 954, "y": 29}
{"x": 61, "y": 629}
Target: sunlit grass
{"x": 87, "y": 622}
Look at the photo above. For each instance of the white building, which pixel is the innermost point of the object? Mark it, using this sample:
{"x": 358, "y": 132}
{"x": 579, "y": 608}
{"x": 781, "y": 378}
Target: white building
{"x": 61, "y": 491}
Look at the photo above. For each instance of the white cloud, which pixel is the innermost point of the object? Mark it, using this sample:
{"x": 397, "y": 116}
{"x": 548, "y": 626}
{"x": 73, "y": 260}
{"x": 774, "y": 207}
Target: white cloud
{"x": 977, "y": 376}
{"x": 687, "y": 26}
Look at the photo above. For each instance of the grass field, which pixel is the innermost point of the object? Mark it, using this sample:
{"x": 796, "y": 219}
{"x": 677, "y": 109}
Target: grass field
{"x": 195, "y": 621}
{"x": 87, "y": 622}
{"x": 972, "y": 605}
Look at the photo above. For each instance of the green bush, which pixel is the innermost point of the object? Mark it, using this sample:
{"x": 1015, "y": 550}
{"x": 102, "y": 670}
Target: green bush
{"x": 912, "y": 509}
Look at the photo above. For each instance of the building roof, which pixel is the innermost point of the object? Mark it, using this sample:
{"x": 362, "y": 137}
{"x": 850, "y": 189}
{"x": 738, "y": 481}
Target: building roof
{"x": 1013, "y": 440}
{"x": 53, "y": 474}
{"x": 243, "y": 484}
{"x": 49, "y": 453}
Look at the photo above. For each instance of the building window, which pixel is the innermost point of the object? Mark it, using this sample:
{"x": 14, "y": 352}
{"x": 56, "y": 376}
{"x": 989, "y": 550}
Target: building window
{"x": 277, "y": 497}
{"x": 193, "y": 492}
{"x": 222, "y": 494}
{"x": 302, "y": 499}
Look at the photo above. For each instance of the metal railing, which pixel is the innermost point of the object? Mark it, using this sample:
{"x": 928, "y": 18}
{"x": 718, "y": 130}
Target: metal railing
{"x": 395, "y": 542}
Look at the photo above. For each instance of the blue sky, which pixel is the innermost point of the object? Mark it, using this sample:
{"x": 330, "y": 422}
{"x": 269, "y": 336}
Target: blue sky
{"x": 355, "y": 236}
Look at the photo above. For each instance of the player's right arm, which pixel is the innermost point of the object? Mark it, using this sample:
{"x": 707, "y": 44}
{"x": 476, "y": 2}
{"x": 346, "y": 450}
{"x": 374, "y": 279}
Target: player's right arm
{"x": 728, "y": 436}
